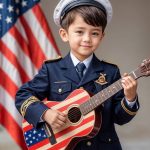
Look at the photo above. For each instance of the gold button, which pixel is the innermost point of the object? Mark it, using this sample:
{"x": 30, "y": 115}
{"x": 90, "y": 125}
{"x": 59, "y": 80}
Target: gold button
{"x": 88, "y": 143}
{"x": 59, "y": 90}
{"x": 109, "y": 140}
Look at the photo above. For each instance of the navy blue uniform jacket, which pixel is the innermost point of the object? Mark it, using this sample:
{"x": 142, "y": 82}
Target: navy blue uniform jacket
{"x": 57, "y": 79}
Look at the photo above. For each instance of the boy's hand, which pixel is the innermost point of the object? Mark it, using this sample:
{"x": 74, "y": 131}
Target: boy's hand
{"x": 55, "y": 118}
{"x": 130, "y": 87}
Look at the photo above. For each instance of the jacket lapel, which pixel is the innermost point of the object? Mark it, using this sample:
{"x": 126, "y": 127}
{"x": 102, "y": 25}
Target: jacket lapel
{"x": 69, "y": 70}
{"x": 93, "y": 71}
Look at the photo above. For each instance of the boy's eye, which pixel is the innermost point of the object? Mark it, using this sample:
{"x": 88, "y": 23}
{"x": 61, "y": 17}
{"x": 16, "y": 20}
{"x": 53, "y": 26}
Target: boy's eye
{"x": 79, "y": 32}
{"x": 95, "y": 33}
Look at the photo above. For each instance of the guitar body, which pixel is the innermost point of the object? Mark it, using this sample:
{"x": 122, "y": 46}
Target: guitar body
{"x": 78, "y": 126}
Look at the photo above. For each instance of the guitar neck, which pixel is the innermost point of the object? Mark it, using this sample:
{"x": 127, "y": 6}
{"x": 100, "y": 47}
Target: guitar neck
{"x": 105, "y": 94}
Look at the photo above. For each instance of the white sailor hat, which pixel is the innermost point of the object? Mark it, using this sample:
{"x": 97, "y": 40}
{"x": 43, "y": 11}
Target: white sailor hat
{"x": 64, "y": 6}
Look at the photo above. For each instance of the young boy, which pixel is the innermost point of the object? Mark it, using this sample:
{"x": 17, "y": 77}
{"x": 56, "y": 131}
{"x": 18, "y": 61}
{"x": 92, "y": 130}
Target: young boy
{"x": 82, "y": 24}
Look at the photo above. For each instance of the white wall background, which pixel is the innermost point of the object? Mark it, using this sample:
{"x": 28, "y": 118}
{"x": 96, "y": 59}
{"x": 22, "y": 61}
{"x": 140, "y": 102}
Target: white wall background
{"x": 127, "y": 43}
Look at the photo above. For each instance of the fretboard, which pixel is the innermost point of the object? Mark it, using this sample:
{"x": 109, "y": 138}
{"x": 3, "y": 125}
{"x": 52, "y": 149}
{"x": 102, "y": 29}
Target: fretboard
{"x": 105, "y": 94}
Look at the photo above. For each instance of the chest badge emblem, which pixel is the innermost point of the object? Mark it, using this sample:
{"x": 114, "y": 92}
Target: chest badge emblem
{"x": 102, "y": 79}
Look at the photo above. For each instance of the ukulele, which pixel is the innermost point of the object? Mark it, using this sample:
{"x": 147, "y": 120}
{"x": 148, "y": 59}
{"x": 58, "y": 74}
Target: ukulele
{"x": 83, "y": 121}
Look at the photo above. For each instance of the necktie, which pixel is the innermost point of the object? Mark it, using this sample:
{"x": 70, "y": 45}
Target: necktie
{"x": 80, "y": 68}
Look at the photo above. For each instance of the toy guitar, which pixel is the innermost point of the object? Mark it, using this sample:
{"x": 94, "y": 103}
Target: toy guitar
{"x": 82, "y": 120}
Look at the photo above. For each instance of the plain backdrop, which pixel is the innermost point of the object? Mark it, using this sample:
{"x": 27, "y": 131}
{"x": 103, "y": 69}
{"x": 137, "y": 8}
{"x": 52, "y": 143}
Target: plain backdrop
{"x": 126, "y": 43}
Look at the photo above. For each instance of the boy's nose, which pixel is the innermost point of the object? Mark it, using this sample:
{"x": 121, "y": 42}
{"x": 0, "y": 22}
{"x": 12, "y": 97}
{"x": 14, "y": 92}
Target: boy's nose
{"x": 86, "y": 38}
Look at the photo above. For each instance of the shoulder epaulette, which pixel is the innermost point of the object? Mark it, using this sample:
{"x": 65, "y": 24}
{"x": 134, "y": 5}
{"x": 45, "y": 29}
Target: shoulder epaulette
{"x": 53, "y": 60}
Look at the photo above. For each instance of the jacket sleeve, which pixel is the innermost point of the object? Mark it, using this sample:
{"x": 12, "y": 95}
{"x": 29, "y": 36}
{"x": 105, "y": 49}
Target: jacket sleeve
{"x": 29, "y": 97}
{"x": 123, "y": 113}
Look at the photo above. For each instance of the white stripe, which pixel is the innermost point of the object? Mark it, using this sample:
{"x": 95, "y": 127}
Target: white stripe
{"x": 8, "y": 102}
{"x": 38, "y": 32}
{"x": 20, "y": 28}
{"x": 23, "y": 59}
{"x": 10, "y": 70}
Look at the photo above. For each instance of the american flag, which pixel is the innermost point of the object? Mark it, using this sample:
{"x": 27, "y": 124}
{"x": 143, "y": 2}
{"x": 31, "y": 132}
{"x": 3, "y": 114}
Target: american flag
{"x": 25, "y": 41}
{"x": 34, "y": 136}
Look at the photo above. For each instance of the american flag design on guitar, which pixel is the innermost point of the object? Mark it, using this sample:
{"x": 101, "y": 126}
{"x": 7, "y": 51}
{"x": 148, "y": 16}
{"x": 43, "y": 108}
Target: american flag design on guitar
{"x": 79, "y": 126}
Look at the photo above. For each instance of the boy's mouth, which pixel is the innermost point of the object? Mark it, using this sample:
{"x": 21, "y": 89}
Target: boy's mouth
{"x": 88, "y": 46}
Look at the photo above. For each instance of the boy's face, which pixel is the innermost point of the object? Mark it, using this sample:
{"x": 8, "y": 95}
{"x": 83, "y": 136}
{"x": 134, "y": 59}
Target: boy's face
{"x": 83, "y": 38}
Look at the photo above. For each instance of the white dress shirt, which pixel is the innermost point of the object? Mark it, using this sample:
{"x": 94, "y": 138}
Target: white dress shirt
{"x": 86, "y": 62}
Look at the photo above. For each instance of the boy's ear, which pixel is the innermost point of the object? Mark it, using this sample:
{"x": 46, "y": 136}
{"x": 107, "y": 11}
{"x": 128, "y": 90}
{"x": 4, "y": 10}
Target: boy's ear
{"x": 103, "y": 35}
{"x": 63, "y": 34}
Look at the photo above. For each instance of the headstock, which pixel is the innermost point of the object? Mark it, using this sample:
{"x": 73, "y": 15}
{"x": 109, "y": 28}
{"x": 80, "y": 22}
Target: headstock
{"x": 145, "y": 67}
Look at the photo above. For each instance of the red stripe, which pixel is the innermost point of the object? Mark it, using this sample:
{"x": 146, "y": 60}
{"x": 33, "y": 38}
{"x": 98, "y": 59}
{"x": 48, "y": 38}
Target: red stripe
{"x": 12, "y": 127}
{"x": 20, "y": 40}
{"x": 7, "y": 83}
{"x": 13, "y": 60}
{"x": 36, "y": 54}
{"x": 27, "y": 128}
{"x": 75, "y": 102}
{"x": 40, "y": 144}
{"x": 43, "y": 22}
{"x": 23, "y": 44}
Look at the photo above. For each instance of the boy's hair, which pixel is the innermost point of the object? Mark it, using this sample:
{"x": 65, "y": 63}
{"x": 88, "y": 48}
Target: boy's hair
{"x": 91, "y": 15}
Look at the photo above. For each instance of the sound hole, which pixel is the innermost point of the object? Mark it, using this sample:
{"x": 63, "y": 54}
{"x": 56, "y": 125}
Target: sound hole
{"x": 74, "y": 114}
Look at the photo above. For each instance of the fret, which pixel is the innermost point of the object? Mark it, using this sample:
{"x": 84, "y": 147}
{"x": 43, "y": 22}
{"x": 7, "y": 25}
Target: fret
{"x": 102, "y": 94}
{"x": 88, "y": 107}
{"x": 118, "y": 85}
{"x": 97, "y": 99}
{"x": 114, "y": 88}
{"x": 135, "y": 74}
{"x": 83, "y": 108}
{"x": 109, "y": 91}
{"x": 93, "y": 103}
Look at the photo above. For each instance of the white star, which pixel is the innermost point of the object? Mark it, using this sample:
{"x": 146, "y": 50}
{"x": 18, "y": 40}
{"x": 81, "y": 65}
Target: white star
{"x": 24, "y": 3}
{"x": 26, "y": 139}
{"x": 44, "y": 135}
{"x": 1, "y": 5}
{"x": 10, "y": 8}
{"x": 29, "y": 135}
{"x": 8, "y": 20}
{"x": 34, "y": 132}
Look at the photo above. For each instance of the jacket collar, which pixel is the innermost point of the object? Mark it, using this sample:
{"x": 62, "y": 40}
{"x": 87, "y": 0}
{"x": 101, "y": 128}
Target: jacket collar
{"x": 70, "y": 72}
